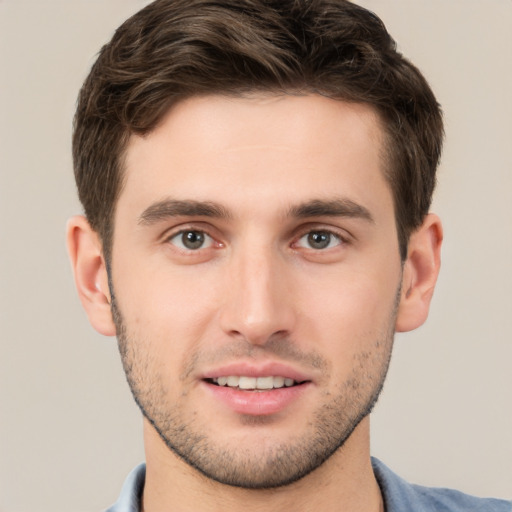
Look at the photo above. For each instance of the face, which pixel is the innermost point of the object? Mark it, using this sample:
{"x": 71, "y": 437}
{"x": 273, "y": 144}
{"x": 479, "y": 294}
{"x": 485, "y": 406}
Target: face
{"x": 255, "y": 276}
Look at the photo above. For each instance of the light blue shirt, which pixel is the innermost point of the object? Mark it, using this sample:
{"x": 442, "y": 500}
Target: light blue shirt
{"x": 399, "y": 496}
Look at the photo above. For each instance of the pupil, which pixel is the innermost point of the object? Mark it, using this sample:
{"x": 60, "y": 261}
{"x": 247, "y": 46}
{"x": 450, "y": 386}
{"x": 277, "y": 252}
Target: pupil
{"x": 193, "y": 239}
{"x": 319, "y": 239}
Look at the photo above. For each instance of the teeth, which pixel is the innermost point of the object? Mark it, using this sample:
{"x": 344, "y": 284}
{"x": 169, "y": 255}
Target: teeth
{"x": 264, "y": 382}
{"x": 243, "y": 382}
{"x": 246, "y": 382}
{"x": 279, "y": 382}
{"x": 233, "y": 381}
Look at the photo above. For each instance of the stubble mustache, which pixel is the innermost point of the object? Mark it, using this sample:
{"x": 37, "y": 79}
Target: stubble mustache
{"x": 278, "y": 348}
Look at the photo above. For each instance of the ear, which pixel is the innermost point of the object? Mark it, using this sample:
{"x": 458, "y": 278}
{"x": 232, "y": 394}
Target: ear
{"x": 90, "y": 271}
{"x": 420, "y": 272}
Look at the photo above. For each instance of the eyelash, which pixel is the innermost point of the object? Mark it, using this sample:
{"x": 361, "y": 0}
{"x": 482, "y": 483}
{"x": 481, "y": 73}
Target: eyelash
{"x": 200, "y": 232}
{"x": 323, "y": 232}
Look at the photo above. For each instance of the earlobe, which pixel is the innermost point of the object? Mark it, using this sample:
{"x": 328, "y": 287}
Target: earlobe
{"x": 90, "y": 272}
{"x": 420, "y": 272}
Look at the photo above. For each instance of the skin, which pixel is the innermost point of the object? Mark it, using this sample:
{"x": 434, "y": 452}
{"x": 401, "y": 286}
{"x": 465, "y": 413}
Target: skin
{"x": 262, "y": 179}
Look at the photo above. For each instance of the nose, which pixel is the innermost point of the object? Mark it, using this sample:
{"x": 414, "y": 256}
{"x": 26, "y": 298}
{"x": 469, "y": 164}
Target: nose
{"x": 258, "y": 303}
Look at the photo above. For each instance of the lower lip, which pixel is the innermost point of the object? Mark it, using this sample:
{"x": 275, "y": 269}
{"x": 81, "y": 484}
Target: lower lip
{"x": 257, "y": 403}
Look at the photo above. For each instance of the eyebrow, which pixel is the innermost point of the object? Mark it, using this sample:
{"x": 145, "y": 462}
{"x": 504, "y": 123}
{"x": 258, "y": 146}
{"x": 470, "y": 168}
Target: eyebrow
{"x": 340, "y": 207}
{"x": 167, "y": 208}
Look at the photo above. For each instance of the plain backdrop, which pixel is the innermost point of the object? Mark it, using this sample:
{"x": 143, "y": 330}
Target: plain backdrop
{"x": 69, "y": 430}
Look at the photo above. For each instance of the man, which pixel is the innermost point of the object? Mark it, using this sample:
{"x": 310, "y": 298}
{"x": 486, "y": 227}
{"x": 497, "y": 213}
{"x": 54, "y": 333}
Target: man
{"x": 256, "y": 178}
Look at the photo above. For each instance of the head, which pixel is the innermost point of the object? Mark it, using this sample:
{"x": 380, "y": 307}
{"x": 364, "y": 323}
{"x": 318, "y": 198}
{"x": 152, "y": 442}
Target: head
{"x": 175, "y": 49}
{"x": 256, "y": 177}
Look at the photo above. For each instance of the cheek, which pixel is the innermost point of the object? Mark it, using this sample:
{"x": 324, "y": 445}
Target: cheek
{"x": 166, "y": 308}
{"x": 349, "y": 313}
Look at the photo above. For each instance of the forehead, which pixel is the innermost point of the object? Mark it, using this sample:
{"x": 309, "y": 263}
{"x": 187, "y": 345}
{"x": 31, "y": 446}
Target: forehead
{"x": 260, "y": 147}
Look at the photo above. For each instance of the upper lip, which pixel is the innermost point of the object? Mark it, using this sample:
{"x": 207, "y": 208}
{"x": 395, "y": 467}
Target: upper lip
{"x": 252, "y": 369}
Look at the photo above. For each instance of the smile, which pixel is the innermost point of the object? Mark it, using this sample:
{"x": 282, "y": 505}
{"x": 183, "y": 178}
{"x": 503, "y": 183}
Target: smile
{"x": 254, "y": 383}
{"x": 256, "y": 395}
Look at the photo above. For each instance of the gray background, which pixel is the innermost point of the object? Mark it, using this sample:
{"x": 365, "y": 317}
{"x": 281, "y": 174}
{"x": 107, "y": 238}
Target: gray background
{"x": 69, "y": 432}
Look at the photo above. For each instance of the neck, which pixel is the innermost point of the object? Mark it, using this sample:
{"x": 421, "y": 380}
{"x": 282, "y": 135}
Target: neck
{"x": 345, "y": 482}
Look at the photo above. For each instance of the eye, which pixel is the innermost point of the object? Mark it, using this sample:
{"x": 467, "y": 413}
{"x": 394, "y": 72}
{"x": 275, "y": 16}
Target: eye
{"x": 191, "y": 240}
{"x": 319, "y": 240}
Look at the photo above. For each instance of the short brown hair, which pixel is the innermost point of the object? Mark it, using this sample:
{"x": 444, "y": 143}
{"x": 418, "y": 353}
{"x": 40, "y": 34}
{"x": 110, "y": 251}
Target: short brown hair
{"x": 174, "y": 49}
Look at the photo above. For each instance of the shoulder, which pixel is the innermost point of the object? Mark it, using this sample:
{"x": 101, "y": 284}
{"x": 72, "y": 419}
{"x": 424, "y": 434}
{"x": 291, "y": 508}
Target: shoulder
{"x": 130, "y": 498}
{"x": 400, "y": 496}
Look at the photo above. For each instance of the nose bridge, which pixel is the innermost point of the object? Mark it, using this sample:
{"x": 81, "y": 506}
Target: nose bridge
{"x": 258, "y": 306}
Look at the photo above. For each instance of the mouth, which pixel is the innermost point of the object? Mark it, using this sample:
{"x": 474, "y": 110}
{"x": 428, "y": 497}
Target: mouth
{"x": 248, "y": 383}
{"x": 256, "y": 389}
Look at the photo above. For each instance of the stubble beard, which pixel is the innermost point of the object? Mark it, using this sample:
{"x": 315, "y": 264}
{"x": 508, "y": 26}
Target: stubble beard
{"x": 258, "y": 467}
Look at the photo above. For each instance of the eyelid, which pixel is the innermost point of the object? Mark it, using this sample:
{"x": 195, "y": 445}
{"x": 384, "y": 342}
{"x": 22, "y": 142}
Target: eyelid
{"x": 200, "y": 227}
{"x": 342, "y": 234}
{"x": 208, "y": 242}
{"x": 181, "y": 227}
{"x": 335, "y": 242}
